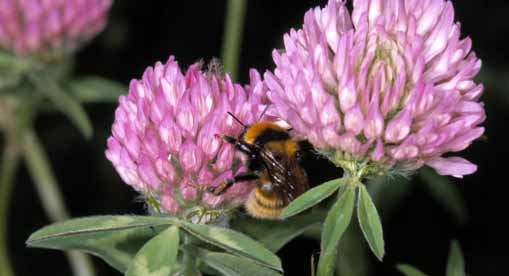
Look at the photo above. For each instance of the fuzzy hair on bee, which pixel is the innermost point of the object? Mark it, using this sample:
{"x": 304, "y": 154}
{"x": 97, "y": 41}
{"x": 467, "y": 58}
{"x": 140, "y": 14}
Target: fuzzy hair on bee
{"x": 273, "y": 162}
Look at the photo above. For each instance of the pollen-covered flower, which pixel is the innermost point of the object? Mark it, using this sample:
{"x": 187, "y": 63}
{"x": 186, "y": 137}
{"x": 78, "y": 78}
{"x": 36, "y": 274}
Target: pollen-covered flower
{"x": 165, "y": 143}
{"x": 390, "y": 84}
{"x": 44, "y": 26}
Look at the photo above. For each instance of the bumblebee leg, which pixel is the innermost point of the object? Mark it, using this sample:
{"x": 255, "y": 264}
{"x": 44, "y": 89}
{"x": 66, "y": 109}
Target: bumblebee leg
{"x": 218, "y": 190}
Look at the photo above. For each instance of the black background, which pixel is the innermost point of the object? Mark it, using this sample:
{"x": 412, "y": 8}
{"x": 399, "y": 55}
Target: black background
{"x": 143, "y": 32}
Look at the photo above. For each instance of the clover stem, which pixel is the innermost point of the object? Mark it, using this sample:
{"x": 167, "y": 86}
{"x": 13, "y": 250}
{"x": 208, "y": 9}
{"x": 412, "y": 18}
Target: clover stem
{"x": 232, "y": 37}
{"x": 51, "y": 197}
{"x": 189, "y": 262}
{"x": 10, "y": 161}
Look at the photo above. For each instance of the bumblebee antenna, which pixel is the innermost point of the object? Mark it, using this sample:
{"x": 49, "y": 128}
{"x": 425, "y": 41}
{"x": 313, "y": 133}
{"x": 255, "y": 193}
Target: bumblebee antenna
{"x": 263, "y": 113}
{"x": 236, "y": 119}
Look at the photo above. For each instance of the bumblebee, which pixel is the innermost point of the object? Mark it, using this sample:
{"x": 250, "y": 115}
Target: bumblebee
{"x": 274, "y": 163}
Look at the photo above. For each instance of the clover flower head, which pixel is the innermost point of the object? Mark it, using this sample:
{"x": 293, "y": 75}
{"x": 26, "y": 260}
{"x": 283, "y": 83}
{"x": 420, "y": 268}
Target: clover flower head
{"x": 164, "y": 139}
{"x": 45, "y": 26}
{"x": 390, "y": 84}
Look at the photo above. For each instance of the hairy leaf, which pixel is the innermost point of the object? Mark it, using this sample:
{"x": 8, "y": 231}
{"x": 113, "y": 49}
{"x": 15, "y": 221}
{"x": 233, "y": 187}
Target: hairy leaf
{"x": 275, "y": 234}
{"x": 115, "y": 239}
{"x": 370, "y": 223}
{"x": 231, "y": 265}
{"x": 312, "y": 197}
{"x": 409, "y": 270}
{"x": 336, "y": 222}
{"x": 158, "y": 256}
{"x": 234, "y": 242}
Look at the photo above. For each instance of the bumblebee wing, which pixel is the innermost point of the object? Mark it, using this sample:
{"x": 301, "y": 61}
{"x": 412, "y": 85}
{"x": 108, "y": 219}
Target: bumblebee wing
{"x": 288, "y": 178}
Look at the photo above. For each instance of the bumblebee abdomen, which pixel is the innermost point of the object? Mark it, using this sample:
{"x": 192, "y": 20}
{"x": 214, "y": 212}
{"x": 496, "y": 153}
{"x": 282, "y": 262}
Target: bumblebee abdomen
{"x": 262, "y": 205}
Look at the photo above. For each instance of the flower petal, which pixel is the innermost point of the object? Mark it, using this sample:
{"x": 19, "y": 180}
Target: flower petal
{"x": 455, "y": 166}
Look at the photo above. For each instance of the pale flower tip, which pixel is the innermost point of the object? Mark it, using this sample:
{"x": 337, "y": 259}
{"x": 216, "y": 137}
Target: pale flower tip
{"x": 374, "y": 123}
{"x": 399, "y": 127}
{"x": 168, "y": 201}
{"x": 396, "y": 72}
{"x": 454, "y": 166}
{"x": 190, "y": 157}
{"x": 164, "y": 137}
{"x": 50, "y": 27}
{"x": 188, "y": 190}
{"x": 354, "y": 120}
{"x": 254, "y": 76}
{"x": 378, "y": 152}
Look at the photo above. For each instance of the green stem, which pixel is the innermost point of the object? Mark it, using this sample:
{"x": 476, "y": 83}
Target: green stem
{"x": 10, "y": 161}
{"x": 188, "y": 264}
{"x": 81, "y": 264}
{"x": 232, "y": 37}
{"x": 52, "y": 200}
{"x": 38, "y": 166}
{"x": 189, "y": 261}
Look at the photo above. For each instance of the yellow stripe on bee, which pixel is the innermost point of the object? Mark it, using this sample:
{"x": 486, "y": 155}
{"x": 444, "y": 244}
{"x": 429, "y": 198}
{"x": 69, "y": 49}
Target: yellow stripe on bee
{"x": 255, "y": 129}
{"x": 269, "y": 201}
{"x": 256, "y": 210}
{"x": 287, "y": 147}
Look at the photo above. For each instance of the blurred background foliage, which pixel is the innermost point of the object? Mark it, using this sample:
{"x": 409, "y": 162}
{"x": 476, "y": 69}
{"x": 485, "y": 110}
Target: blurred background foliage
{"x": 418, "y": 227}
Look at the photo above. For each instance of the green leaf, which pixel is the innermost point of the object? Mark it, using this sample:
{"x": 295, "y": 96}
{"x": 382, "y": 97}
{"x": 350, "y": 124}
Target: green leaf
{"x": 96, "y": 90}
{"x": 231, "y": 265}
{"x": 116, "y": 239}
{"x": 336, "y": 222}
{"x": 312, "y": 197}
{"x": 5, "y": 57}
{"x": 370, "y": 222}
{"x": 409, "y": 270}
{"x": 455, "y": 263}
{"x": 234, "y": 242}
{"x": 353, "y": 254}
{"x": 275, "y": 234}
{"x": 445, "y": 192}
{"x": 9, "y": 81}
{"x": 63, "y": 102}
{"x": 158, "y": 256}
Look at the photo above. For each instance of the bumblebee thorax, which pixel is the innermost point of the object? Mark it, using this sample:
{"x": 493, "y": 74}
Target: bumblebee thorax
{"x": 262, "y": 132}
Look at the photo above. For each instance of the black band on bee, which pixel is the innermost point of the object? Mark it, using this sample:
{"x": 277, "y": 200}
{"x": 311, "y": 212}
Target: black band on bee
{"x": 274, "y": 162}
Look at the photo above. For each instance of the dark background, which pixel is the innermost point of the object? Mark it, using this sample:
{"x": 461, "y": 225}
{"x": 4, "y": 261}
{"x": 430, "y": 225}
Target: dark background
{"x": 141, "y": 33}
